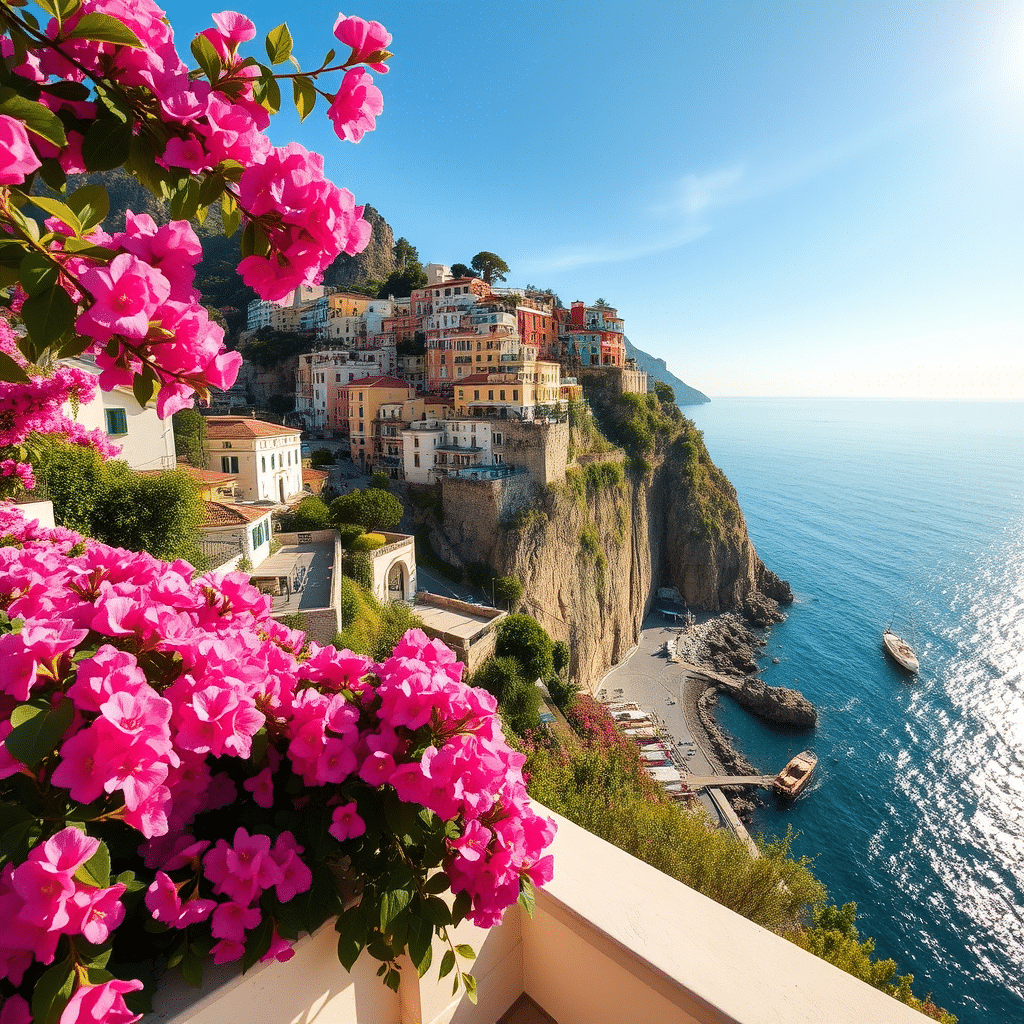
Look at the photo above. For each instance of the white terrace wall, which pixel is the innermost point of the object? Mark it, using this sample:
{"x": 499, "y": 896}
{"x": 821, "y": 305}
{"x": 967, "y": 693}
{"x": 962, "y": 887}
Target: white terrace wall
{"x": 612, "y": 940}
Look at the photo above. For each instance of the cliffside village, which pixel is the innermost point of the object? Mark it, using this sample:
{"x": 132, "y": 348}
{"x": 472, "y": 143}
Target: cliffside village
{"x": 460, "y": 384}
{"x": 436, "y": 384}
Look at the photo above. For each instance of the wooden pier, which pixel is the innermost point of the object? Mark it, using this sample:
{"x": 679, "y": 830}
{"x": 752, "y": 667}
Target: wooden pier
{"x": 725, "y": 781}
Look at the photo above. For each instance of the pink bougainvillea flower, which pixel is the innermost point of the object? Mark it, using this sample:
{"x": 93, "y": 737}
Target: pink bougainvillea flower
{"x": 127, "y": 294}
{"x": 346, "y": 823}
{"x": 101, "y": 1004}
{"x": 226, "y": 951}
{"x": 17, "y": 157}
{"x": 232, "y": 920}
{"x": 15, "y": 1011}
{"x": 355, "y": 107}
{"x": 280, "y": 949}
{"x": 95, "y": 913}
{"x": 369, "y": 41}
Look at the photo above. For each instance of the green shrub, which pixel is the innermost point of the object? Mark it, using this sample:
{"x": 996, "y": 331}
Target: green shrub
{"x": 348, "y": 532}
{"x": 526, "y": 640}
{"x": 560, "y": 654}
{"x": 508, "y": 591}
{"x": 368, "y": 542}
{"x": 160, "y": 513}
{"x": 373, "y": 509}
{"x": 321, "y": 457}
{"x": 379, "y": 482}
{"x": 369, "y": 627}
{"x": 519, "y": 700}
{"x": 311, "y": 514}
{"x": 359, "y": 566}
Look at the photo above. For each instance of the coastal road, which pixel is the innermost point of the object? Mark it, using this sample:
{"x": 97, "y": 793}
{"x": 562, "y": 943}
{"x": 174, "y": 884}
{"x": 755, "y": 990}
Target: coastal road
{"x": 656, "y": 684}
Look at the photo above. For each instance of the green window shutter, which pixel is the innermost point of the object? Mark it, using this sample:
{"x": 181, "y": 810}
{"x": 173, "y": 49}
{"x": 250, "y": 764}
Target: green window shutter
{"x": 116, "y": 421}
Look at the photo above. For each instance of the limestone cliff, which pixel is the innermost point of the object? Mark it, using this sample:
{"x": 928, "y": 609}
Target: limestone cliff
{"x": 592, "y": 551}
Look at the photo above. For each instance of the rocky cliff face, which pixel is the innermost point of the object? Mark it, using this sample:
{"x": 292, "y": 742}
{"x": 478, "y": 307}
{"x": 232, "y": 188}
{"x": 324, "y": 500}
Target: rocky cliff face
{"x": 375, "y": 263}
{"x": 592, "y": 552}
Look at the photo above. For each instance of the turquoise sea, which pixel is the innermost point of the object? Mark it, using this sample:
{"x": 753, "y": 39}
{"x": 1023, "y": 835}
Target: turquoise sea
{"x": 874, "y": 509}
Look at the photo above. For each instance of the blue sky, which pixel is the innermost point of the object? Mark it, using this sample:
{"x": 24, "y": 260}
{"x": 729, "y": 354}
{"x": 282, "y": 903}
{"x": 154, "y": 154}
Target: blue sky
{"x": 801, "y": 199}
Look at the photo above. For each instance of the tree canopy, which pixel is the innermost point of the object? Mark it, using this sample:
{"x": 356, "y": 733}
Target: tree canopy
{"x": 524, "y": 638}
{"x": 461, "y": 270}
{"x": 373, "y": 509}
{"x": 490, "y": 267}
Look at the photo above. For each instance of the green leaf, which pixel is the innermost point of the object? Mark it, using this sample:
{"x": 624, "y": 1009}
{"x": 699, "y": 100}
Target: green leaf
{"x": 48, "y": 315}
{"x": 37, "y": 730}
{"x": 435, "y": 910}
{"x": 527, "y": 896}
{"x": 37, "y": 273}
{"x": 96, "y": 870}
{"x": 470, "y": 982}
{"x": 279, "y": 44}
{"x": 38, "y": 119}
{"x": 53, "y": 174}
{"x": 91, "y": 204}
{"x": 421, "y": 935}
{"x": 192, "y": 967}
{"x": 104, "y": 29}
{"x": 74, "y": 91}
{"x": 466, "y": 952}
{"x": 393, "y": 980}
{"x": 143, "y": 387}
{"x": 392, "y": 903}
{"x": 460, "y": 907}
{"x": 229, "y": 214}
{"x": 438, "y": 882}
{"x": 207, "y": 57}
{"x": 258, "y": 942}
{"x": 56, "y": 208}
{"x": 305, "y": 96}
{"x": 11, "y": 371}
{"x": 447, "y": 963}
{"x": 107, "y": 144}
{"x": 185, "y": 202}
{"x": 52, "y": 993}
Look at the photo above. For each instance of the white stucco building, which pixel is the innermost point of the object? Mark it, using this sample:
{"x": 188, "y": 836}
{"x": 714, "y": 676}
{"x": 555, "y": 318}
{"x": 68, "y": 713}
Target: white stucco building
{"x": 146, "y": 441}
{"x": 432, "y": 449}
{"x": 265, "y": 457}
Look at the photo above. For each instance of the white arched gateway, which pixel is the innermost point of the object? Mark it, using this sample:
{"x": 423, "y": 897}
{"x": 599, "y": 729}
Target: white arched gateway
{"x": 394, "y": 569}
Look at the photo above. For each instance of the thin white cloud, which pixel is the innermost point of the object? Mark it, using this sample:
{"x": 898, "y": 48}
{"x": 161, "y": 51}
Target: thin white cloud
{"x": 695, "y": 194}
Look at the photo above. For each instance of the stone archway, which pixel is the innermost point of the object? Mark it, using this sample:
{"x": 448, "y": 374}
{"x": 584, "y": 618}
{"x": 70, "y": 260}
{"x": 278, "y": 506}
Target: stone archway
{"x": 398, "y": 581}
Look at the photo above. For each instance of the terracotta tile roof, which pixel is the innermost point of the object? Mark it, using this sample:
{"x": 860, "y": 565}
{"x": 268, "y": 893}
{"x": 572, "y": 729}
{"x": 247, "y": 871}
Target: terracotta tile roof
{"x": 219, "y": 513}
{"x": 226, "y": 427}
{"x": 314, "y": 474}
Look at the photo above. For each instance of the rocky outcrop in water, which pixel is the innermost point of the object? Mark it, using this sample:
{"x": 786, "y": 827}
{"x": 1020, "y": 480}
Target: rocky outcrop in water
{"x": 776, "y": 704}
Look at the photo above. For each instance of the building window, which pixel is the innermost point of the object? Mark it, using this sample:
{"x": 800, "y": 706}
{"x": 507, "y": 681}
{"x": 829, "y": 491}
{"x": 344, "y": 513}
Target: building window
{"x": 502, "y": 393}
{"x": 416, "y": 461}
{"x": 490, "y": 396}
{"x": 229, "y": 463}
{"x": 497, "y": 437}
{"x": 271, "y": 461}
{"x": 263, "y": 461}
{"x": 476, "y": 396}
{"x": 117, "y": 422}
{"x": 226, "y": 444}
{"x": 515, "y": 396}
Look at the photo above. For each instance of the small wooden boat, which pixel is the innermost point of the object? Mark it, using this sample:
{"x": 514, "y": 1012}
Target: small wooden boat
{"x": 900, "y": 651}
{"x": 792, "y": 780}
